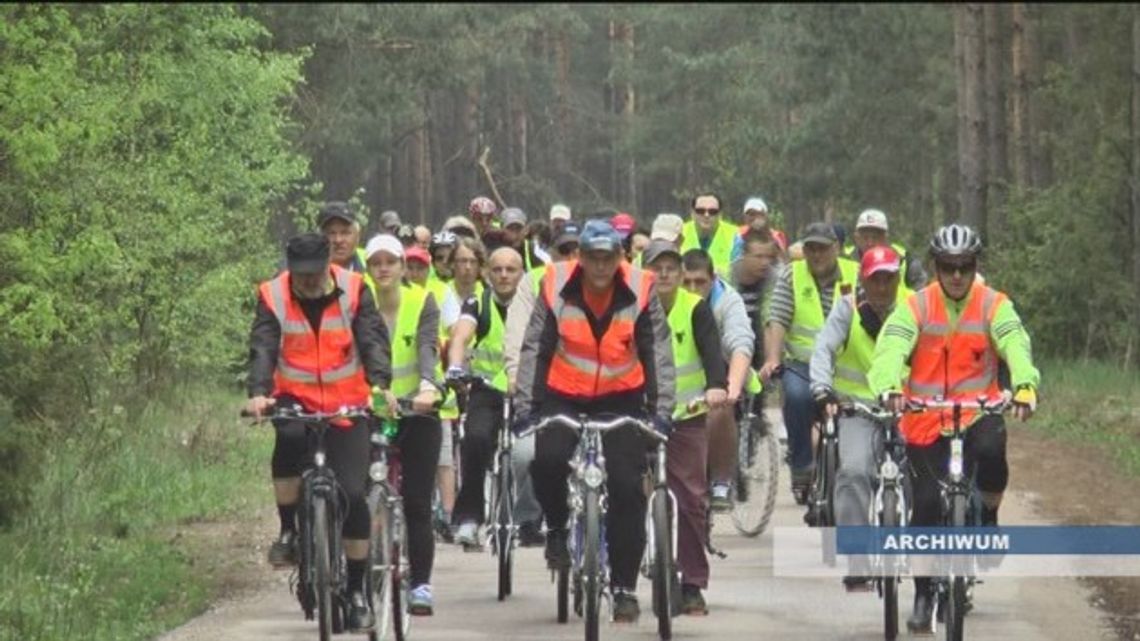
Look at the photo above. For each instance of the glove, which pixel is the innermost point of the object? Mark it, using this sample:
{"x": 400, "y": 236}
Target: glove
{"x": 521, "y": 423}
{"x": 454, "y": 373}
{"x": 823, "y": 396}
{"x": 1024, "y": 402}
{"x": 663, "y": 425}
{"x": 892, "y": 401}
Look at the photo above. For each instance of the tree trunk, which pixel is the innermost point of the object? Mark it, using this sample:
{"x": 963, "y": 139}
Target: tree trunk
{"x": 997, "y": 162}
{"x": 469, "y": 121}
{"x": 519, "y": 132}
{"x": 1135, "y": 168}
{"x": 971, "y": 114}
{"x": 562, "y": 113}
{"x": 1022, "y": 135}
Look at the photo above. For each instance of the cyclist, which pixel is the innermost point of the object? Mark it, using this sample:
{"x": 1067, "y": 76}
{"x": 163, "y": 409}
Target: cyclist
{"x": 559, "y": 215}
{"x": 598, "y": 341}
{"x": 756, "y": 220}
{"x": 482, "y": 321}
{"x": 839, "y": 367}
{"x": 700, "y": 372}
{"x": 411, "y": 316}
{"x": 706, "y": 230}
{"x": 514, "y": 236}
{"x": 390, "y": 222}
{"x": 301, "y": 313}
{"x": 337, "y": 222}
{"x": 737, "y": 340}
{"x": 418, "y": 263}
{"x": 483, "y": 212}
{"x": 438, "y": 283}
{"x": 872, "y": 230}
{"x": 755, "y": 274}
{"x": 952, "y": 334}
{"x": 804, "y": 294}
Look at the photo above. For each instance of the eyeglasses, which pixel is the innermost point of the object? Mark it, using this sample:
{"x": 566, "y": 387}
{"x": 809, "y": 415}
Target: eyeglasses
{"x": 964, "y": 269}
{"x": 706, "y": 212}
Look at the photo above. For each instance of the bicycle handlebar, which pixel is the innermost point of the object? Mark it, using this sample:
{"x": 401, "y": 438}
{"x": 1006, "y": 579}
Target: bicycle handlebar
{"x": 983, "y": 404}
{"x": 594, "y": 424}
{"x": 299, "y": 414}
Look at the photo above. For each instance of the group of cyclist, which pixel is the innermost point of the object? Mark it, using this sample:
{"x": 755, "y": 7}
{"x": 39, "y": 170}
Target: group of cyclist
{"x": 676, "y": 324}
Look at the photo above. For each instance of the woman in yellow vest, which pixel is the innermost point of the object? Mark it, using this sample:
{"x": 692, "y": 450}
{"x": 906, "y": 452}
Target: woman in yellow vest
{"x": 701, "y": 373}
{"x": 839, "y": 366}
{"x": 412, "y": 320}
{"x": 708, "y": 231}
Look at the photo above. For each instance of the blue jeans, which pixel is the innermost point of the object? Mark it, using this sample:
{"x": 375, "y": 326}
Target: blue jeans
{"x": 799, "y": 410}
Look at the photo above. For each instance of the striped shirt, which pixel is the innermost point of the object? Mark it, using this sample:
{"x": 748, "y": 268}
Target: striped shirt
{"x": 782, "y": 305}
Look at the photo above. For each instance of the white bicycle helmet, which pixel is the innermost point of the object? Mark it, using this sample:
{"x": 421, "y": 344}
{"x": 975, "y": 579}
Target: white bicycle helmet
{"x": 955, "y": 240}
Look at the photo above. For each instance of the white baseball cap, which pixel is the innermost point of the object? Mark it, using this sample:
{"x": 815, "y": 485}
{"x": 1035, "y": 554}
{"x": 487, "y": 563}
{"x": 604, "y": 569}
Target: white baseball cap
{"x": 755, "y": 204}
{"x": 560, "y": 212}
{"x": 384, "y": 243}
{"x": 872, "y": 219}
{"x": 666, "y": 227}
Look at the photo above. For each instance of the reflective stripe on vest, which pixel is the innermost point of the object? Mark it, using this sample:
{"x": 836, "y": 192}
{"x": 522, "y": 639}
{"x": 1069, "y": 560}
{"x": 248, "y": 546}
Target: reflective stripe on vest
{"x": 487, "y": 355}
{"x": 854, "y": 361}
{"x": 691, "y": 379}
{"x": 955, "y": 361}
{"x": 807, "y": 318}
{"x": 581, "y": 366}
{"x": 720, "y": 248}
{"x": 322, "y": 370}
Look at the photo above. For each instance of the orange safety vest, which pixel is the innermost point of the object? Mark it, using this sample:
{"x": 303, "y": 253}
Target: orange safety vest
{"x": 955, "y": 362}
{"x": 323, "y": 371}
{"x": 581, "y": 366}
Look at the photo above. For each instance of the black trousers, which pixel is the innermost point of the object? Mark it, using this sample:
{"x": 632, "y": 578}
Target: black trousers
{"x": 625, "y": 453}
{"x": 480, "y": 436}
{"x": 346, "y": 453}
{"x": 983, "y": 450}
{"x": 419, "y": 441}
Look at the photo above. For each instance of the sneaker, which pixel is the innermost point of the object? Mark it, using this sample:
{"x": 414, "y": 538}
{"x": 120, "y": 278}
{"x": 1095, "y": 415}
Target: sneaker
{"x": 530, "y": 534}
{"x": 626, "y": 609}
{"x": 692, "y": 601}
{"x": 283, "y": 551}
{"x": 557, "y": 554}
{"x": 719, "y": 501}
{"x": 468, "y": 536}
{"x": 858, "y": 584}
{"x": 443, "y": 528}
{"x": 360, "y": 617}
{"x": 801, "y": 485}
{"x": 419, "y": 601}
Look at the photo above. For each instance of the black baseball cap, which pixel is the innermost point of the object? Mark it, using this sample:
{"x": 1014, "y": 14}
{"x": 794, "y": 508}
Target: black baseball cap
{"x": 307, "y": 253}
{"x": 335, "y": 210}
{"x": 821, "y": 233}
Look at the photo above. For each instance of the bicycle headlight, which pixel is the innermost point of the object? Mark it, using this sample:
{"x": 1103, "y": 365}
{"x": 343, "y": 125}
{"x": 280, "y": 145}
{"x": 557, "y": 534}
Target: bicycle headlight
{"x": 378, "y": 471}
{"x": 889, "y": 470}
{"x": 593, "y": 476}
{"x": 956, "y": 466}
{"x": 319, "y": 459}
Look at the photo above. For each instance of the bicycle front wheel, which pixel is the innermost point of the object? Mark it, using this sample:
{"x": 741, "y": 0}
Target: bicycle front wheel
{"x": 504, "y": 525}
{"x": 380, "y": 565}
{"x": 323, "y": 578}
{"x": 757, "y": 479}
{"x": 889, "y": 519}
{"x": 591, "y": 563}
{"x": 956, "y": 599}
{"x": 663, "y": 563}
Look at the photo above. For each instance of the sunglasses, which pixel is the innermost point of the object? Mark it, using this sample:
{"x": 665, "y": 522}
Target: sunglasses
{"x": 706, "y": 212}
{"x": 957, "y": 268}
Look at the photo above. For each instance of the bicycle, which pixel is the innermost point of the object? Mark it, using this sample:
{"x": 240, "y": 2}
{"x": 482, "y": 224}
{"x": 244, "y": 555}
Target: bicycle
{"x": 960, "y": 505}
{"x": 889, "y": 506}
{"x": 589, "y": 565}
{"x": 388, "y": 564}
{"x": 501, "y": 495}
{"x": 322, "y": 577}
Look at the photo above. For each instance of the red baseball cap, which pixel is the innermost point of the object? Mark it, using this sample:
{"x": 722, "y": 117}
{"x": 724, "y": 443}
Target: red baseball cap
{"x": 415, "y": 252}
{"x": 623, "y": 224}
{"x": 879, "y": 259}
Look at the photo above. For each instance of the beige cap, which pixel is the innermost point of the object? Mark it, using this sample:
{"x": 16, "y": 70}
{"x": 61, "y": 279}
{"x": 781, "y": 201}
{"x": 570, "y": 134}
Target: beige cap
{"x": 666, "y": 227}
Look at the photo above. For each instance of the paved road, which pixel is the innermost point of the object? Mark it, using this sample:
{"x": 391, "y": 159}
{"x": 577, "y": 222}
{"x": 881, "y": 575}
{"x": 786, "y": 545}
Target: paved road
{"x": 746, "y": 602}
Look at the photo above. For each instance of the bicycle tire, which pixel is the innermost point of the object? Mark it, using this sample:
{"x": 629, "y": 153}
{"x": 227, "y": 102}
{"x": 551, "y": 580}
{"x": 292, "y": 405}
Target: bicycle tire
{"x": 323, "y": 570}
{"x": 832, "y": 470}
{"x": 563, "y": 580}
{"x": 956, "y": 599}
{"x": 890, "y": 519}
{"x": 401, "y": 617}
{"x": 662, "y": 563}
{"x": 591, "y": 563}
{"x": 504, "y": 545}
{"x": 380, "y": 569}
{"x": 752, "y": 513}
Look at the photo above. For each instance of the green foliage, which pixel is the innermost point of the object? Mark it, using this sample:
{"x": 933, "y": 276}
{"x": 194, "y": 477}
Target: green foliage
{"x": 94, "y": 555}
{"x": 143, "y": 149}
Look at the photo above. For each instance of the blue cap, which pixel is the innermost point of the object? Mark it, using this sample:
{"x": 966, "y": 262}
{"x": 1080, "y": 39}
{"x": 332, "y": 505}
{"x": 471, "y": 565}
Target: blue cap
{"x": 599, "y": 234}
